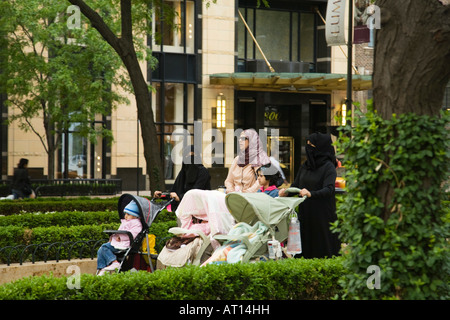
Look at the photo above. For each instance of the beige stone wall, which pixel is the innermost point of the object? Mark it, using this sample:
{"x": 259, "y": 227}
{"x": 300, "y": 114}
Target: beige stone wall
{"x": 16, "y": 271}
{"x": 338, "y": 65}
{"x": 25, "y": 144}
{"x": 218, "y": 54}
{"x": 124, "y": 126}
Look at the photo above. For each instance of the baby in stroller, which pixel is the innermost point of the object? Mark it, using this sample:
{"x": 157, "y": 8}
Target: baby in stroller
{"x": 202, "y": 215}
{"x": 106, "y": 255}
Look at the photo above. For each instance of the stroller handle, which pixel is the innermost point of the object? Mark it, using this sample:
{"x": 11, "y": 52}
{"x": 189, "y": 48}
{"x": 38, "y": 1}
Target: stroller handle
{"x": 163, "y": 195}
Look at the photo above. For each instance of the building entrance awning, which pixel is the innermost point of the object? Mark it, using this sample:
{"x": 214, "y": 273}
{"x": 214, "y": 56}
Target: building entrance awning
{"x": 291, "y": 82}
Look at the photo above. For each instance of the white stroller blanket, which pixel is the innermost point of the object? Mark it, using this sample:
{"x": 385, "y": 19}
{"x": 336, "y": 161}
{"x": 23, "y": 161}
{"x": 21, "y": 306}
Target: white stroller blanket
{"x": 233, "y": 250}
{"x": 207, "y": 205}
{"x": 180, "y": 257}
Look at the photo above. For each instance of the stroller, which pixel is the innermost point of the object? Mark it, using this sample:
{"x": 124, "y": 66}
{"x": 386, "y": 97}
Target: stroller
{"x": 260, "y": 218}
{"x": 202, "y": 214}
{"x": 138, "y": 255}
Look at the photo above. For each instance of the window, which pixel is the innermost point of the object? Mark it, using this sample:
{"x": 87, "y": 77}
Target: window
{"x": 173, "y": 110}
{"x": 307, "y": 37}
{"x": 272, "y": 33}
{"x": 292, "y": 38}
{"x": 74, "y": 147}
{"x": 177, "y": 36}
{"x": 173, "y": 105}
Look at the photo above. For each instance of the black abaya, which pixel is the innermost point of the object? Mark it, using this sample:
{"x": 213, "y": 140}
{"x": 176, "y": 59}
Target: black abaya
{"x": 189, "y": 179}
{"x": 319, "y": 211}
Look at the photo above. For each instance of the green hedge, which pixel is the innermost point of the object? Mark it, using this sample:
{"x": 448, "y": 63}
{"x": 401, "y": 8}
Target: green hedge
{"x": 395, "y": 215}
{"x": 64, "y": 227}
{"x": 9, "y": 207}
{"x": 70, "y": 218}
{"x": 17, "y": 235}
{"x": 68, "y": 189}
{"x": 297, "y": 279}
{"x": 65, "y": 218}
{"x": 76, "y": 189}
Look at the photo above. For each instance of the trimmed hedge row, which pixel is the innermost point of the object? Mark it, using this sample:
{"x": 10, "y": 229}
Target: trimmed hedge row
{"x": 70, "y": 218}
{"x": 62, "y": 219}
{"x": 296, "y": 279}
{"x": 68, "y": 189}
{"x": 63, "y": 227}
{"x": 9, "y": 207}
{"x": 16, "y": 235}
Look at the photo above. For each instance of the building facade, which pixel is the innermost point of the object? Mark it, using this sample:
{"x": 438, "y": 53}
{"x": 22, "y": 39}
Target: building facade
{"x": 227, "y": 66}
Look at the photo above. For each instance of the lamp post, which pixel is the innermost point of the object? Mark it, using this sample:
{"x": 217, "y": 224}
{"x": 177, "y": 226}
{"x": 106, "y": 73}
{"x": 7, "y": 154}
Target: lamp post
{"x": 349, "y": 101}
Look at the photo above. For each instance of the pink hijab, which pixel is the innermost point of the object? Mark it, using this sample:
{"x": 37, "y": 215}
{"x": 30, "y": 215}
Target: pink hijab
{"x": 254, "y": 154}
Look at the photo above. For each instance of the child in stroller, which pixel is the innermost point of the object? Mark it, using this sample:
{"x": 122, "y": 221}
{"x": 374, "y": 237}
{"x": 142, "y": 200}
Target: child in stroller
{"x": 202, "y": 215}
{"x": 106, "y": 255}
{"x": 133, "y": 251}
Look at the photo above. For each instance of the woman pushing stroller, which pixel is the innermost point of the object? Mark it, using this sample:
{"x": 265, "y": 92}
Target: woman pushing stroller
{"x": 193, "y": 175}
{"x": 242, "y": 176}
{"x": 316, "y": 180}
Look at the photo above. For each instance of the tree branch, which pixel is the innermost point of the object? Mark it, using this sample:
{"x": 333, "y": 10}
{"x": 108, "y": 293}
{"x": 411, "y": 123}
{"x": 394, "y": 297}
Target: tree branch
{"x": 98, "y": 23}
{"x": 27, "y": 120}
{"x": 127, "y": 29}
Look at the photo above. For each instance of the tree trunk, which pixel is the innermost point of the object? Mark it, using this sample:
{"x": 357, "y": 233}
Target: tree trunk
{"x": 125, "y": 49}
{"x": 51, "y": 158}
{"x": 411, "y": 64}
{"x": 412, "y": 57}
{"x": 145, "y": 116}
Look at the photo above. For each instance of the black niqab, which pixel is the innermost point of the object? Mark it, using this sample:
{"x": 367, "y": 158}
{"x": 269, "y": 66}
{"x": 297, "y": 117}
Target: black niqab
{"x": 322, "y": 152}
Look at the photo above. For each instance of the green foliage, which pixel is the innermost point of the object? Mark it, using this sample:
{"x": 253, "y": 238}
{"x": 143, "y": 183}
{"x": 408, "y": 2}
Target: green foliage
{"x": 70, "y": 218}
{"x": 15, "y": 236}
{"x": 64, "y": 227}
{"x": 393, "y": 215}
{"x": 48, "y": 224}
{"x": 74, "y": 189}
{"x": 297, "y": 279}
{"x": 61, "y": 74}
{"x": 62, "y": 219}
{"x": 8, "y": 207}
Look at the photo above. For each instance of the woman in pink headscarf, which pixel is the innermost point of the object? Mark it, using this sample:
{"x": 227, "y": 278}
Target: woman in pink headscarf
{"x": 209, "y": 205}
{"x": 242, "y": 173}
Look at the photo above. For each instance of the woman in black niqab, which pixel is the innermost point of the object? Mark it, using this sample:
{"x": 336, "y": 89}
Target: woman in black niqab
{"x": 316, "y": 180}
{"x": 319, "y": 150}
{"x": 193, "y": 175}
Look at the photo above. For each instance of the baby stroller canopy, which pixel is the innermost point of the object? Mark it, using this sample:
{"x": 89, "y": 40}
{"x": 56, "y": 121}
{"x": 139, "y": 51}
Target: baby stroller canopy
{"x": 273, "y": 212}
{"x": 148, "y": 210}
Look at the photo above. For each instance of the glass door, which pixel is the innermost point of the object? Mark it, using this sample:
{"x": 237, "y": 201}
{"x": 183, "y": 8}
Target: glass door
{"x": 282, "y": 149}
